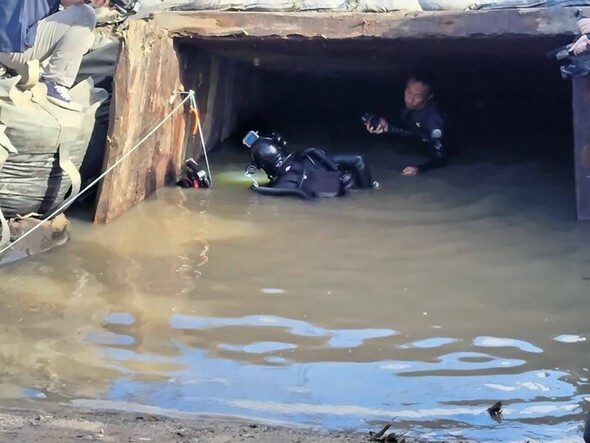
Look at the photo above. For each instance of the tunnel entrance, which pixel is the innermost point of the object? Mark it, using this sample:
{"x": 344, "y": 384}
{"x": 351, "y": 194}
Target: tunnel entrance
{"x": 504, "y": 101}
{"x": 311, "y": 76}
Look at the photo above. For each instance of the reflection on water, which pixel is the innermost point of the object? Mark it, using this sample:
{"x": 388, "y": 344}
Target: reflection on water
{"x": 426, "y": 301}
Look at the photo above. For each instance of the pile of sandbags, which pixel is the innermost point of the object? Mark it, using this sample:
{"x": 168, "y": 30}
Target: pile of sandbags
{"x": 349, "y": 5}
{"x": 42, "y": 146}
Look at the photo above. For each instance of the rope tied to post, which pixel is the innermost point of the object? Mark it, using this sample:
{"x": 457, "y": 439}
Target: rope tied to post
{"x": 190, "y": 96}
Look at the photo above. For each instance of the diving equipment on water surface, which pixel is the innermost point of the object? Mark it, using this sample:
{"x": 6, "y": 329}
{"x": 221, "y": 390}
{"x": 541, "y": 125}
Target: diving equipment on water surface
{"x": 195, "y": 177}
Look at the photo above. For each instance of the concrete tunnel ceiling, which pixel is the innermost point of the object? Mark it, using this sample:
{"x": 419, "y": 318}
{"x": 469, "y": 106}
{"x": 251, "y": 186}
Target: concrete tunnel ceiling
{"x": 377, "y": 57}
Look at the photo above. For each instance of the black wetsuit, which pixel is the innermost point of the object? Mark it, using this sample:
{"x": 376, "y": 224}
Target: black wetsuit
{"x": 312, "y": 173}
{"x": 427, "y": 125}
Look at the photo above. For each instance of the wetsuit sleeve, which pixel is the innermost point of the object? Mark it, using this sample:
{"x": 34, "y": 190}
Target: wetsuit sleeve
{"x": 396, "y": 126}
{"x": 396, "y": 130}
{"x": 435, "y": 139}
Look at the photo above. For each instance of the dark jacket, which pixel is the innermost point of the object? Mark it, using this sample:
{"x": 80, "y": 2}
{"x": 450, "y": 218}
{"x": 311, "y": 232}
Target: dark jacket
{"x": 18, "y": 22}
{"x": 428, "y": 125}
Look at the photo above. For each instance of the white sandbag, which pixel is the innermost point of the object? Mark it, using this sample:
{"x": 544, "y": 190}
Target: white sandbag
{"x": 272, "y": 5}
{"x": 385, "y": 5}
{"x": 505, "y": 4}
{"x": 51, "y": 143}
{"x": 267, "y": 5}
{"x": 447, "y": 5}
{"x": 324, "y": 5}
{"x": 215, "y": 5}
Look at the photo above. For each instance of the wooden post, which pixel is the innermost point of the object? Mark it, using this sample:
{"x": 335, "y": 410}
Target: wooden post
{"x": 581, "y": 121}
{"x": 147, "y": 73}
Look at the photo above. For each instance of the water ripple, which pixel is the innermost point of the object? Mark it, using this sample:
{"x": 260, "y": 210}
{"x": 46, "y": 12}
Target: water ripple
{"x": 338, "y": 338}
{"x": 498, "y": 342}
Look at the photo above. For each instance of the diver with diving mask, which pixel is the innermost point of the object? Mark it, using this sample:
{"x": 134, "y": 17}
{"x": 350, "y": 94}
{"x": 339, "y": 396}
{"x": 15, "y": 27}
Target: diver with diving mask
{"x": 306, "y": 174}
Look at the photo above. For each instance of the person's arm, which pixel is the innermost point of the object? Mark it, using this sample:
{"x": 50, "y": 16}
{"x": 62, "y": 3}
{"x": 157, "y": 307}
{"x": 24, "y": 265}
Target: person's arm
{"x": 382, "y": 126}
{"x": 584, "y": 25}
{"x": 582, "y": 44}
{"x": 397, "y": 130}
{"x": 436, "y": 146}
{"x": 437, "y": 155}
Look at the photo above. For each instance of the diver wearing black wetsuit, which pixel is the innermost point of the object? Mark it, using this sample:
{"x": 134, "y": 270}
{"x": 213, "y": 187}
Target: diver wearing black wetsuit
{"x": 420, "y": 118}
{"x": 426, "y": 124}
{"x": 306, "y": 174}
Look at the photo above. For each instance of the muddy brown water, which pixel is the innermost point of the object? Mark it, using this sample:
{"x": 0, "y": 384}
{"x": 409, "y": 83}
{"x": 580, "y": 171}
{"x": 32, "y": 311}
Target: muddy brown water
{"x": 425, "y": 302}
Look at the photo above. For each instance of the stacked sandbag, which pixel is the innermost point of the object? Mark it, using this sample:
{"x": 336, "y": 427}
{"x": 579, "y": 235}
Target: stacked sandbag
{"x": 42, "y": 146}
{"x": 301, "y": 5}
{"x": 149, "y": 6}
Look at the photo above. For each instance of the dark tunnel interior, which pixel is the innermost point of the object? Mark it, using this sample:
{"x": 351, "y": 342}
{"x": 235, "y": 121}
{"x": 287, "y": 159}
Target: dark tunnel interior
{"x": 502, "y": 96}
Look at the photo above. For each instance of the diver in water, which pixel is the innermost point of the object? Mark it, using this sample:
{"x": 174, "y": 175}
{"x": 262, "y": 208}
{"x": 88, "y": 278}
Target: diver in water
{"x": 420, "y": 119}
{"x": 306, "y": 174}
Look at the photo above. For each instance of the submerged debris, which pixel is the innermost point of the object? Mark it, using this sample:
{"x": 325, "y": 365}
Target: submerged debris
{"x": 389, "y": 438}
{"x": 495, "y": 411}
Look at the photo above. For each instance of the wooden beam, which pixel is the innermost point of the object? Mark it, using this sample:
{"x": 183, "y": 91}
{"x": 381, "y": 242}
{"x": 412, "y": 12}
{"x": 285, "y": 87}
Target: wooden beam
{"x": 581, "y": 117}
{"x": 147, "y": 74}
{"x": 329, "y": 25}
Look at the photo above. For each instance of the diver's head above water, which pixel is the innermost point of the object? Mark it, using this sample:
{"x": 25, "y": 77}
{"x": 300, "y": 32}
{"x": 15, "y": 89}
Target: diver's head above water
{"x": 266, "y": 152}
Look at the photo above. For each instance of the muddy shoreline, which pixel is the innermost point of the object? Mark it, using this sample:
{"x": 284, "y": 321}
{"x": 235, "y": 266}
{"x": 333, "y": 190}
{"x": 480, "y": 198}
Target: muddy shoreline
{"x": 65, "y": 423}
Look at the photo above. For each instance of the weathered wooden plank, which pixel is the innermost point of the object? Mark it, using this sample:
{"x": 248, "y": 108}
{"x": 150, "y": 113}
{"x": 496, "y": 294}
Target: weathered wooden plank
{"x": 330, "y": 25}
{"x": 581, "y": 117}
{"x": 147, "y": 73}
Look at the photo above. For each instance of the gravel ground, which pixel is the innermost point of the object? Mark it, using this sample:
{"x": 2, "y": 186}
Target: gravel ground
{"x": 74, "y": 424}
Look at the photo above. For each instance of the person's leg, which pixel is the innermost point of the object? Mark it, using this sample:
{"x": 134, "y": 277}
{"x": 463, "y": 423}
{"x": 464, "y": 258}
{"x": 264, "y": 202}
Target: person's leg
{"x": 21, "y": 63}
{"x": 62, "y": 39}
